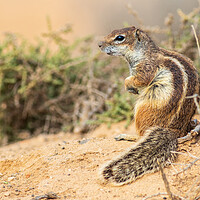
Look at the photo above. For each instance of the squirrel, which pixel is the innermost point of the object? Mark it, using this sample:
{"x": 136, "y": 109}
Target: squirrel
{"x": 162, "y": 79}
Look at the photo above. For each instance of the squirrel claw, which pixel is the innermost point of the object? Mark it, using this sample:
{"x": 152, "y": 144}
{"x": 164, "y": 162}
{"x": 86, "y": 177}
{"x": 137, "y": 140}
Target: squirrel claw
{"x": 133, "y": 90}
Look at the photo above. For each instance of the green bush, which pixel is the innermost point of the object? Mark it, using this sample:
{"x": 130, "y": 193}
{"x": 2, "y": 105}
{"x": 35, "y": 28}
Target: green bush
{"x": 119, "y": 107}
{"x": 34, "y": 83}
{"x": 52, "y": 85}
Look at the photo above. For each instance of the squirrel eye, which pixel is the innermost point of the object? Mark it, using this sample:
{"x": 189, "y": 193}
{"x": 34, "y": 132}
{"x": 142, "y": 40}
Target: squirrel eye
{"x": 119, "y": 38}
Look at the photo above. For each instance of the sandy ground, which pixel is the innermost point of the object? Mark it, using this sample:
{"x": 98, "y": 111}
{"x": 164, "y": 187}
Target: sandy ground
{"x": 66, "y": 166}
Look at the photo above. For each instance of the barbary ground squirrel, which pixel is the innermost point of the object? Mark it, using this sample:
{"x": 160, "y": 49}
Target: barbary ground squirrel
{"x": 162, "y": 79}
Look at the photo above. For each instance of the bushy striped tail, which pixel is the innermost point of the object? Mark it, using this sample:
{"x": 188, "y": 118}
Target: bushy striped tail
{"x": 155, "y": 147}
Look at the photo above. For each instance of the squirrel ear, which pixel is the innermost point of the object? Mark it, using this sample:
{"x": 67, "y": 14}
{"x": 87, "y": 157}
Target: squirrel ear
{"x": 137, "y": 34}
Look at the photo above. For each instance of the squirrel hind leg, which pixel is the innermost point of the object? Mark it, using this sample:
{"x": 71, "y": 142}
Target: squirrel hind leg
{"x": 144, "y": 157}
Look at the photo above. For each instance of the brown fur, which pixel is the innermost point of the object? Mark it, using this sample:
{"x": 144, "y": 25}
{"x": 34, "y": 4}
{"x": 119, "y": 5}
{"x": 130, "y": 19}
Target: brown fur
{"x": 163, "y": 79}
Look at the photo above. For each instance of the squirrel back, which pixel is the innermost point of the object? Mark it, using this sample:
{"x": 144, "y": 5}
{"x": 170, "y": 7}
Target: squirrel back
{"x": 162, "y": 79}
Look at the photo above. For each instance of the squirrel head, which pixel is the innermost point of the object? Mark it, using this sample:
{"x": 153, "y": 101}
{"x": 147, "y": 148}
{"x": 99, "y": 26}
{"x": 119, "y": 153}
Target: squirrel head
{"x": 125, "y": 41}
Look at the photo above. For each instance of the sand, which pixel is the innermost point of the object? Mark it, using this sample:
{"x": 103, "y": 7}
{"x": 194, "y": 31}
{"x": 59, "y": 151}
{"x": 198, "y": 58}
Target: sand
{"x": 66, "y": 166}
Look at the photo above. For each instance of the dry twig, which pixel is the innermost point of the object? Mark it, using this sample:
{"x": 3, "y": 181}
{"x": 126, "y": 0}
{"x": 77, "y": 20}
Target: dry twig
{"x": 197, "y": 198}
{"x": 195, "y": 96}
{"x": 197, "y": 41}
{"x": 192, "y": 187}
{"x": 189, "y": 166}
{"x": 166, "y": 182}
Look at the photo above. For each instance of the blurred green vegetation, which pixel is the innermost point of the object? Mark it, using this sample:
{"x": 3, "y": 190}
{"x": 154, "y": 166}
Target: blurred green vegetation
{"x": 53, "y": 85}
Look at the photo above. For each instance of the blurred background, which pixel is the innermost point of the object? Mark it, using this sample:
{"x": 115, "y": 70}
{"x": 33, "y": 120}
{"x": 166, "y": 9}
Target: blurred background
{"x": 87, "y": 17}
{"x": 53, "y": 77}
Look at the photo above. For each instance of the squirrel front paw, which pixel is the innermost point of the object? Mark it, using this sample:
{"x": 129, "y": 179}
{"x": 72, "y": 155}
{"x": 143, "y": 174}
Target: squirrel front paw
{"x": 129, "y": 85}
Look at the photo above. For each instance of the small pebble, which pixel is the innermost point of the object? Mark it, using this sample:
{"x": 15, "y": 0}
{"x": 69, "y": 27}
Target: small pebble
{"x": 6, "y": 194}
{"x": 11, "y": 178}
{"x": 83, "y": 141}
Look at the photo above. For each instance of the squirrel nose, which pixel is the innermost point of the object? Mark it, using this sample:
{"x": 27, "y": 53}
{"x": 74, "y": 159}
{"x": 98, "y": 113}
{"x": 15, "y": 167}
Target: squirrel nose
{"x": 100, "y": 44}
